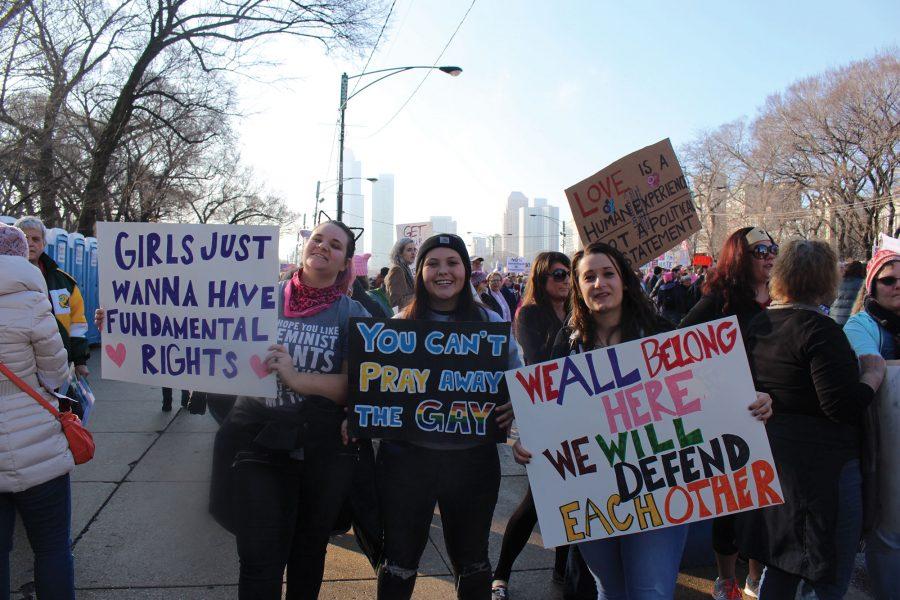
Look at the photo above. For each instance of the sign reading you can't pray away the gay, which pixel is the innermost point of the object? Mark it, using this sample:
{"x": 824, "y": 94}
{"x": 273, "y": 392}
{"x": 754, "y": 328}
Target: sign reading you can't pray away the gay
{"x": 427, "y": 381}
{"x": 189, "y": 306}
{"x": 640, "y": 204}
{"x": 643, "y": 435}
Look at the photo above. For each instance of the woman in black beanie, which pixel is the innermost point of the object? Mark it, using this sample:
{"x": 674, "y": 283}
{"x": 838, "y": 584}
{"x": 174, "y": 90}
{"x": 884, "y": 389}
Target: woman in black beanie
{"x": 461, "y": 476}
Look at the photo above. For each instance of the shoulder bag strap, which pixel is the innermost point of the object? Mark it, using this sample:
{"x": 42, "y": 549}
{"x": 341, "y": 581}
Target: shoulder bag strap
{"x": 28, "y": 389}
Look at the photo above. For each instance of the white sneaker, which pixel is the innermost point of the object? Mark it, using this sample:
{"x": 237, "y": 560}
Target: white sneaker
{"x": 751, "y": 587}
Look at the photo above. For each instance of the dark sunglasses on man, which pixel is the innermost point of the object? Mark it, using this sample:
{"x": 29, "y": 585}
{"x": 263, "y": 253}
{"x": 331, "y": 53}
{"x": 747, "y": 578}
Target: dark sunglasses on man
{"x": 559, "y": 275}
{"x": 762, "y": 251}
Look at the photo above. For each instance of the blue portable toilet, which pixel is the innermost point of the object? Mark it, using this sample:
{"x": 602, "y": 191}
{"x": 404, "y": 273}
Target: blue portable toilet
{"x": 58, "y": 247}
{"x": 91, "y": 290}
{"x": 77, "y": 258}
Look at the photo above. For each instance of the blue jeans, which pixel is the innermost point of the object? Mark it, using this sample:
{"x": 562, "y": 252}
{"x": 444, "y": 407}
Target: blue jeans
{"x": 777, "y": 584}
{"x": 46, "y": 511}
{"x": 883, "y": 563}
{"x": 639, "y": 566}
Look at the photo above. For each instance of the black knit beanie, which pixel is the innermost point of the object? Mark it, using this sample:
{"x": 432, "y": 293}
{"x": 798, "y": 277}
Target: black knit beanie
{"x": 444, "y": 240}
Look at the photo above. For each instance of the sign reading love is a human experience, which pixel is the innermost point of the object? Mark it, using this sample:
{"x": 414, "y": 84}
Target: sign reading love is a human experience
{"x": 189, "y": 306}
{"x": 643, "y": 435}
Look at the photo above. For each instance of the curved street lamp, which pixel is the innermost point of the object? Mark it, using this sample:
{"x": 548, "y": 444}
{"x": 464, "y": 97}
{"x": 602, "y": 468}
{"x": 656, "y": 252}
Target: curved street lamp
{"x": 452, "y": 71}
{"x": 559, "y": 221}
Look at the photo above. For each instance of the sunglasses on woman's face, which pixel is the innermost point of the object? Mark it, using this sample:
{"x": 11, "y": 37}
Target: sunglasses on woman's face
{"x": 889, "y": 281}
{"x": 763, "y": 252}
{"x": 559, "y": 274}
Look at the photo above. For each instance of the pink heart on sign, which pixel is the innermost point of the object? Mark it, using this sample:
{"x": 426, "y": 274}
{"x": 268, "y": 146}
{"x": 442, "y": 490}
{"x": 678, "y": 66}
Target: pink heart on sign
{"x": 653, "y": 180}
{"x": 259, "y": 367}
{"x": 117, "y": 354}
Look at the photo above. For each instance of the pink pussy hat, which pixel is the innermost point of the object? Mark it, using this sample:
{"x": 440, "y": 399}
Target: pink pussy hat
{"x": 361, "y": 264}
{"x": 12, "y": 241}
{"x": 879, "y": 259}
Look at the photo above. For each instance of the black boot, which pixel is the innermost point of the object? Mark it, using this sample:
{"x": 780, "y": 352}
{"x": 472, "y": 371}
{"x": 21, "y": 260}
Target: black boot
{"x": 185, "y": 398}
{"x": 167, "y": 399}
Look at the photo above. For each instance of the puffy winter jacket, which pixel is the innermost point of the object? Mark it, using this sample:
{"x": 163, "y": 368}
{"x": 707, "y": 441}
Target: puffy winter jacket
{"x": 33, "y": 449}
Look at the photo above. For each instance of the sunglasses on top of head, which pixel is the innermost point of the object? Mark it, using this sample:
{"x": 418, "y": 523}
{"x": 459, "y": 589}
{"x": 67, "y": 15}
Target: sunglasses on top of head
{"x": 559, "y": 274}
{"x": 762, "y": 252}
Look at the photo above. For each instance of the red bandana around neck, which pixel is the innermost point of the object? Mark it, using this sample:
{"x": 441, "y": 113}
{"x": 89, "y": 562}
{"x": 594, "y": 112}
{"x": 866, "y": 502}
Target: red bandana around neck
{"x": 301, "y": 300}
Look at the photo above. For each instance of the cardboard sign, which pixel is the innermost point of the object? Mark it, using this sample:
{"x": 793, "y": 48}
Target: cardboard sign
{"x": 419, "y": 232}
{"x": 189, "y": 306}
{"x": 517, "y": 264}
{"x": 643, "y": 435}
{"x": 426, "y": 381}
{"x": 640, "y": 204}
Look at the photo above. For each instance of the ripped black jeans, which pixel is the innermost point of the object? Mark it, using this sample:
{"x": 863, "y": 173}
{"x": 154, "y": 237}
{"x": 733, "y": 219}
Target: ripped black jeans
{"x": 464, "y": 485}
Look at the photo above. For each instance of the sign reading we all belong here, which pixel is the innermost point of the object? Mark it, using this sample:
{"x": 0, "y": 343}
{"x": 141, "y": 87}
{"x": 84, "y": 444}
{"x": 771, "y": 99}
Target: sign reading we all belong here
{"x": 189, "y": 306}
{"x": 643, "y": 435}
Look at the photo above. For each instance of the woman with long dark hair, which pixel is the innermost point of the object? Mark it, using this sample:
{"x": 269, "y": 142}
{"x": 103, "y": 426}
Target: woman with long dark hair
{"x": 740, "y": 287}
{"x": 461, "y": 476}
{"x": 544, "y": 309}
{"x": 609, "y": 307}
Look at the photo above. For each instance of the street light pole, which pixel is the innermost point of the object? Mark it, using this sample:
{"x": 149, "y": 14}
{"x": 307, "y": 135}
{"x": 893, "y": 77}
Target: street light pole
{"x": 452, "y": 71}
{"x": 559, "y": 221}
{"x": 340, "y": 191}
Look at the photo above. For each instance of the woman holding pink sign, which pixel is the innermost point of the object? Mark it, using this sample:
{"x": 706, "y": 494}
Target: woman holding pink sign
{"x": 608, "y": 308}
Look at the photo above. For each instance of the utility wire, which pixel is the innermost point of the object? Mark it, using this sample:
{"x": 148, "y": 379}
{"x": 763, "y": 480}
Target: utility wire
{"x": 427, "y": 73}
{"x": 375, "y": 47}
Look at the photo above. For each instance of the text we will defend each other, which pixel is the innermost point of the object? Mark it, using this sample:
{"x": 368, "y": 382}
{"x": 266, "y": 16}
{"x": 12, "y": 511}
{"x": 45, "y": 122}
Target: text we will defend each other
{"x": 700, "y": 477}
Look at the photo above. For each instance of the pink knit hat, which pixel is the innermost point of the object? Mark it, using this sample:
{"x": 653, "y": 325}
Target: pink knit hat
{"x": 12, "y": 241}
{"x": 361, "y": 264}
{"x": 879, "y": 259}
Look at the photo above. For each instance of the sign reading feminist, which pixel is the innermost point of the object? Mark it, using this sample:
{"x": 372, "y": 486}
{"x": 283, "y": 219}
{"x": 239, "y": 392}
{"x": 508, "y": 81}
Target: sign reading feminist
{"x": 642, "y": 435}
{"x": 640, "y": 204}
{"x": 426, "y": 381}
{"x": 189, "y": 306}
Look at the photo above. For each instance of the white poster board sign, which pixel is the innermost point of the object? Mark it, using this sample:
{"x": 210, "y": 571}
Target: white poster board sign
{"x": 189, "y": 306}
{"x": 517, "y": 264}
{"x": 419, "y": 232}
{"x": 643, "y": 435}
{"x": 888, "y": 407}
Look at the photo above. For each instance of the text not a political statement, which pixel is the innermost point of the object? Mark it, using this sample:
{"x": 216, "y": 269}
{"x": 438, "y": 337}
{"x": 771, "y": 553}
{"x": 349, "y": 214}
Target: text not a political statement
{"x": 646, "y": 434}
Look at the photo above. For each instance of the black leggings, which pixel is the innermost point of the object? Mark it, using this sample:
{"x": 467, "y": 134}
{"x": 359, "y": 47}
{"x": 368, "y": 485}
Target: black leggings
{"x": 723, "y": 535}
{"x": 518, "y": 530}
{"x": 464, "y": 484}
{"x": 286, "y": 509}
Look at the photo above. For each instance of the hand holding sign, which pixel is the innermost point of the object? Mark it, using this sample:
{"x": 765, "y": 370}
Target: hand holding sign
{"x": 646, "y": 434}
{"x": 188, "y": 306}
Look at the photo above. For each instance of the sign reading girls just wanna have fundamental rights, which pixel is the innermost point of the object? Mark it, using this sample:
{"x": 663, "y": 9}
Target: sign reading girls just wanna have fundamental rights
{"x": 643, "y": 435}
{"x": 189, "y": 306}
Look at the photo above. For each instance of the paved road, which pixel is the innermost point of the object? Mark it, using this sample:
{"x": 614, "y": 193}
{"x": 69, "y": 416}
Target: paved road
{"x": 141, "y": 529}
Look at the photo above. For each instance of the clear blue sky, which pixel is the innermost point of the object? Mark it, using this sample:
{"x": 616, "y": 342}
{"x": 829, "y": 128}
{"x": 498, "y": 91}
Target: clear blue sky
{"x": 550, "y": 93}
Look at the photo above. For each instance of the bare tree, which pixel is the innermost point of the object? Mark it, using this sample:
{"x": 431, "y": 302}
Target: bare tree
{"x": 818, "y": 161}
{"x": 52, "y": 50}
{"x": 213, "y": 33}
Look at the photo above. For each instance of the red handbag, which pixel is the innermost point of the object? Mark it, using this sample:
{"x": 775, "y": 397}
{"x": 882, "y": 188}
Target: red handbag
{"x": 81, "y": 442}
